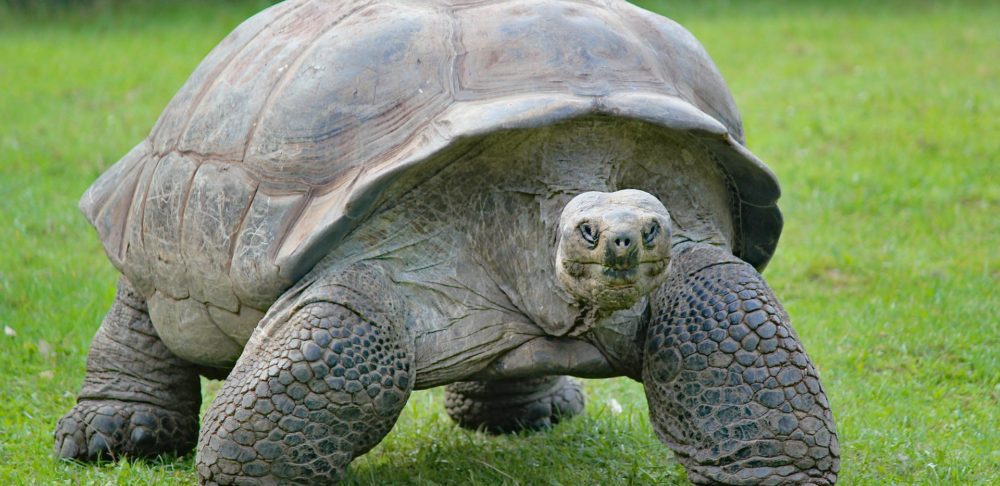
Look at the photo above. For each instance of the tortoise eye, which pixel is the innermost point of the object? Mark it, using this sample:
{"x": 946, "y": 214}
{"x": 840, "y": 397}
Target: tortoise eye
{"x": 650, "y": 234}
{"x": 588, "y": 233}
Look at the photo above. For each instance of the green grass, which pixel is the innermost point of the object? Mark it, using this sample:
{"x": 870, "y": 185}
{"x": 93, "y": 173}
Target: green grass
{"x": 881, "y": 122}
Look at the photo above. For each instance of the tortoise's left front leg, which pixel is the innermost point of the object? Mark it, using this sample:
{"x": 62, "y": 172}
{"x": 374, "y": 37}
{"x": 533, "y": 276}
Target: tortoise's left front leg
{"x": 730, "y": 388}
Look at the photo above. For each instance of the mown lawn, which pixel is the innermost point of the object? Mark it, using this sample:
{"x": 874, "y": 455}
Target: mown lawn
{"x": 882, "y": 122}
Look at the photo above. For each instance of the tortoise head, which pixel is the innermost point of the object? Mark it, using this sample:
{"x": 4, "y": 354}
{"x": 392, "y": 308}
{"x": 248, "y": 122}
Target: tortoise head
{"x": 613, "y": 248}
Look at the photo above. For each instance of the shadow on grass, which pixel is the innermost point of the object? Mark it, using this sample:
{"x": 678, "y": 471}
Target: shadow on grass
{"x": 586, "y": 450}
{"x": 460, "y": 457}
{"x": 426, "y": 448}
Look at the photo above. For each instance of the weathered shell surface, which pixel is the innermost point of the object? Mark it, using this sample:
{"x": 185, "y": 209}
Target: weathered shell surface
{"x": 284, "y": 135}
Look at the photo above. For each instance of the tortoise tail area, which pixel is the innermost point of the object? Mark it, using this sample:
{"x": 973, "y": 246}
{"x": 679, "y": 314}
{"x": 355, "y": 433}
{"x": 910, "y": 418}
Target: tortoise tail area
{"x": 108, "y": 202}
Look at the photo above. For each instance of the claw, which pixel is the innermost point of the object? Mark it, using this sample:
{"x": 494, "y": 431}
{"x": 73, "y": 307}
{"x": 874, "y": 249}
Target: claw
{"x": 68, "y": 449}
{"x": 98, "y": 447}
{"x": 142, "y": 439}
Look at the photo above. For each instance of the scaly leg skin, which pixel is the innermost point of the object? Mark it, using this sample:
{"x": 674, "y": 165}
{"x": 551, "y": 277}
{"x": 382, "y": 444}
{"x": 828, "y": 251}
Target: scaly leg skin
{"x": 322, "y": 389}
{"x": 514, "y": 405}
{"x": 138, "y": 399}
{"x": 729, "y": 385}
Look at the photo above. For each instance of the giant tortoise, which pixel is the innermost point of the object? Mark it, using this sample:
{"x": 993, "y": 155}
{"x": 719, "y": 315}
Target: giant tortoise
{"x": 350, "y": 200}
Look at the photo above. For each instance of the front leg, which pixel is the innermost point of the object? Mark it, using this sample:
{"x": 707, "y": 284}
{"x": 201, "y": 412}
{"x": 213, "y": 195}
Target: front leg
{"x": 313, "y": 389}
{"x": 729, "y": 385}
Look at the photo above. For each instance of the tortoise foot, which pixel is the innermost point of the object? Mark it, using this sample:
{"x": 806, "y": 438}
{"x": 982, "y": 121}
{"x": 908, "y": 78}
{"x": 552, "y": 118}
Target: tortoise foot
{"x": 513, "y": 406}
{"x": 110, "y": 429}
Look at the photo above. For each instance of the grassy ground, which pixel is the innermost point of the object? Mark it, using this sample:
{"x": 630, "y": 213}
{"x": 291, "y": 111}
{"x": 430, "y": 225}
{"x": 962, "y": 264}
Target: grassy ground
{"x": 881, "y": 122}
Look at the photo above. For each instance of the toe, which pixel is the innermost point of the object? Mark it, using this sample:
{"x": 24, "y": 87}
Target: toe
{"x": 67, "y": 448}
{"x": 98, "y": 447}
{"x": 70, "y": 436}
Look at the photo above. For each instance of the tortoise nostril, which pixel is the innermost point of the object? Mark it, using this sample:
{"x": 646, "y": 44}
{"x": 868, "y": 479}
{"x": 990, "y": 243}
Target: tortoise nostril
{"x": 623, "y": 242}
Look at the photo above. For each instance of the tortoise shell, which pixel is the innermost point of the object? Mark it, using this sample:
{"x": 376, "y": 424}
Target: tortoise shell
{"x": 282, "y": 138}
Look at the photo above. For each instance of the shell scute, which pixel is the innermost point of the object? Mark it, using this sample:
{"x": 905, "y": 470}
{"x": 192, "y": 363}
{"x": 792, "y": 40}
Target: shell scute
{"x": 547, "y": 47}
{"x": 226, "y": 118}
{"x": 255, "y": 276}
{"x": 217, "y": 203}
{"x": 133, "y": 252}
{"x": 175, "y": 118}
{"x": 108, "y": 201}
{"x": 684, "y": 65}
{"x": 186, "y": 327}
{"x": 162, "y": 217}
{"x": 362, "y": 90}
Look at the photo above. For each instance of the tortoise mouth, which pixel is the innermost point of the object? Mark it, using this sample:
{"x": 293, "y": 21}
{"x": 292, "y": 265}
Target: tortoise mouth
{"x": 621, "y": 277}
{"x": 610, "y": 287}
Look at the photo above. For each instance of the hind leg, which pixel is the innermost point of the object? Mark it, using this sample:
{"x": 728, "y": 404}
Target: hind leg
{"x": 513, "y": 405}
{"x": 137, "y": 399}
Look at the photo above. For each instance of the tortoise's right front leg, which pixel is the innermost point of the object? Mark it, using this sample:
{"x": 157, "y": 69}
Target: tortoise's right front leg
{"x": 312, "y": 391}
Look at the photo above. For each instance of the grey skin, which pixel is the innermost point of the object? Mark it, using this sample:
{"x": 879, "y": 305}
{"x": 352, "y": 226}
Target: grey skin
{"x": 502, "y": 212}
